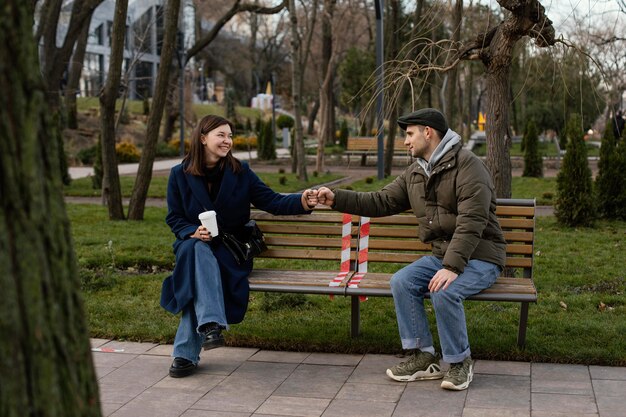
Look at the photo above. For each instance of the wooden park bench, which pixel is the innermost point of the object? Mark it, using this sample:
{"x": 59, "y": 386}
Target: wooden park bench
{"x": 330, "y": 236}
{"x": 364, "y": 146}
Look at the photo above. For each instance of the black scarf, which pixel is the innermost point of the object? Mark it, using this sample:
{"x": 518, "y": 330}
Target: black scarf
{"x": 213, "y": 179}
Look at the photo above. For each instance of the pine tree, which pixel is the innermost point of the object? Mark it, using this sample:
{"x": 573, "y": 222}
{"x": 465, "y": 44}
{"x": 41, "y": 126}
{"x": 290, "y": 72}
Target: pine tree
{"x": 533, "y": 161}
{"x": 610, "y": 179}
{"x": 575, "y": 201}
{"x": 268, "y": 152}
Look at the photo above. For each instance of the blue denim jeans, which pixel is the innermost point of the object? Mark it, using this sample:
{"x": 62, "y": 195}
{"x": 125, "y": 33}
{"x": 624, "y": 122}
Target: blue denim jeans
{"x": 408, "y": 287}
{"x": 207, "y": 305}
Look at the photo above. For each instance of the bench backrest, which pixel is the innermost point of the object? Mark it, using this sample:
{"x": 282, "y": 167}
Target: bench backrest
{"x": 320, "y": 235}
{"x": 393, "y": 239}
{"x": 363, "y": 143}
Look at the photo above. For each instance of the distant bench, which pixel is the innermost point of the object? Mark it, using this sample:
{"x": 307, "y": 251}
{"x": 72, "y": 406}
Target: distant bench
{"x": 364, "y": 146}
{"x": 327, "y": 243}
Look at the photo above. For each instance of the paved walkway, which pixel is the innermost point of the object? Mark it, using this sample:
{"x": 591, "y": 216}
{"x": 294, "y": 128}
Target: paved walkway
{"x": 134, "y": 382}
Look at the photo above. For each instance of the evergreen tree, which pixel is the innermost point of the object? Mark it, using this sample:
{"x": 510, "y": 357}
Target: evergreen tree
{"x": 268, "y": 151}
{"x": 610, "y": 179}
{"x": 344, "y": 133}
{"x": 533, "y": 161}
{"x": 621, "y": 168}
{"x": 575, "y": 202}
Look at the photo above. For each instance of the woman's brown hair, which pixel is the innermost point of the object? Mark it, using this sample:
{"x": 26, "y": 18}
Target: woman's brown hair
{"x": 194, "y": 160}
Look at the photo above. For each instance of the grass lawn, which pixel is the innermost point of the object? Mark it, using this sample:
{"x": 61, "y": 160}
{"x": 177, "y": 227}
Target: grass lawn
{"x": 580, "y": 276}
{"x": 82, "y": 187}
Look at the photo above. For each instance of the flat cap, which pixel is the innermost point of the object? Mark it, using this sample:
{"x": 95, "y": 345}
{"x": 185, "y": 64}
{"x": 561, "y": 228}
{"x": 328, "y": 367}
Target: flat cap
{"x": 424, "y": 117}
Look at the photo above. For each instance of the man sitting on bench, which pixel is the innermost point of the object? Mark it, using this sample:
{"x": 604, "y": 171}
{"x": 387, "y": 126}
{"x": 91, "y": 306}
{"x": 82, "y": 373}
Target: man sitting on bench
{"x": 452, "y": 195}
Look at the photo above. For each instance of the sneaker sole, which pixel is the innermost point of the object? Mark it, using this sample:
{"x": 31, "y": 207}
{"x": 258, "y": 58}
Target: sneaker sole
{"x": 449, "y": 385}
{"x": 432, "y": 372}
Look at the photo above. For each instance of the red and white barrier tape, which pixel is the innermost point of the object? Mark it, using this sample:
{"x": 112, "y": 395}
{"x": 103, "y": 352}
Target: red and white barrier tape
{"x": 346, "y": 236}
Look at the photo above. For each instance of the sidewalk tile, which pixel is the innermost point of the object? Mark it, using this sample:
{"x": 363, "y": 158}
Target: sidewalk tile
{"x": 108, "y": 408}
{"x": 563, "y": 403}
{"x": 228, "y": 353}
{"x": 102, "y": 371}
{"x": 561, "y": 379}
{"x": 371, "y": 392}
{"x": 238, "y": 394}
{"x": 608, "y": 372}
{"x": 502, "y": 368}
{"x": 494, "y": 412}
{"x": 194, "y": 382}
{"x": 207, "y": 413}
{"x": 609, "y": 388}
{"x": 111, "y": 360}
{"x": 611, "y": 406}
{"x": 556, "y": 414}
{"x": 294, "y": 406}
{"x": 94, "y": 342}
{"x": 265, "y": 370}
{"x": 161, "y": 350}
{"x": 428, "y": 399}
{"x": 499, "y": 391}
{"x": 161, "y": 402}
{"x": 316, "y": 381}
{"x": 333, "y": 359}
{"x": 129, "y": 347}
{"x": 372, "y": 369}
{"x": 350, "y": 408}
{"x": 275, "y": 356}
{"x": 125, "y": 383}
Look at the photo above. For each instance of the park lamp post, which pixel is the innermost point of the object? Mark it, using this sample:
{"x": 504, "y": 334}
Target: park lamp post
{"x": 380, "y": 74}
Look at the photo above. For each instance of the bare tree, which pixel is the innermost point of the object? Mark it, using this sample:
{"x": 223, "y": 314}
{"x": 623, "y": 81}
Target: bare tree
{"x": 47, "y": 368}
{"x": 73, "y": 79}
{"x": 327, "y": 98}
{"x": 111, "y": 188}
{"x": 144, "y": 172}
{"x": 299, "y": 58}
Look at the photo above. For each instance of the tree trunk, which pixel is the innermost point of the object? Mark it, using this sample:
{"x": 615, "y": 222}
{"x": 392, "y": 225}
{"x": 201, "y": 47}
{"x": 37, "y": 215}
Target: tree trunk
{"x": 310, "y": 130}
{"x": 111, "y": 188}
{"x": 297, "y": 70}
{"x": 451, "y": 110}
{"x": 392, "y": 26}
{"x": 47, "y": 368}
{"x": 498, "y": 102}
{"x": 144, "y": 172}
{"x": 73, "y": 79}
{"x": 327, "y": 103}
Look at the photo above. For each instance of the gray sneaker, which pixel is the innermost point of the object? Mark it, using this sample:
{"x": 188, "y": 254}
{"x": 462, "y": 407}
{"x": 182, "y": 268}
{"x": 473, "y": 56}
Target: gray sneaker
{"x": 419, "y": 366}
{"x": 459, "y": 375}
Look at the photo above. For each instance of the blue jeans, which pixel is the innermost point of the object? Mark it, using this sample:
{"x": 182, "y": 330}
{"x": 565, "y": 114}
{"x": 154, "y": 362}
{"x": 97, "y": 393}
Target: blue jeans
{"x": 408, "y": 287}
{"x": 207, "y": 305}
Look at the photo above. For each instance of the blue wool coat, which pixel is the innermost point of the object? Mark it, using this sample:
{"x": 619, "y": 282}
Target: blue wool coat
{"x": 187, "y": 196}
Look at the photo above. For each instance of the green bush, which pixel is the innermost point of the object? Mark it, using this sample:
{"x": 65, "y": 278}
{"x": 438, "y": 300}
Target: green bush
{"x": 611, "y": 178}
{"x": 575, "y": 202}
{"x": 164, "y": 150}
{"x": 87, "y": 156}
{"x": 284, "y": 121}
{"x": 533, "y": 161}
{"x": 344, "y": 133}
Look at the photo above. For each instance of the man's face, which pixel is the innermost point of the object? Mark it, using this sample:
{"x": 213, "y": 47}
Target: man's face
{"x": 415, "y": 140}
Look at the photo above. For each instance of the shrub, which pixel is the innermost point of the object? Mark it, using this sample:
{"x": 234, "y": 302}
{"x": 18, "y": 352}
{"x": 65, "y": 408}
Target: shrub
{"x": 369, "y": 180}
{"x": 127, "y": 152}
{"x": 611, "y": 178}
{"x": 164, "y": 150}
{"x": 533, "y": 162}
{"x": 267, "y": 149}
{"x": 87, "y": 156}
{"x": 175, "y": 144}
{"x": 282, "y": 180}
{"x": 243, "y": 143}
{"x": 284, "y": 121}
{"x": 575, "y": 203}
{"x": 344, "y": 132}
{"x": 281, "y": 170}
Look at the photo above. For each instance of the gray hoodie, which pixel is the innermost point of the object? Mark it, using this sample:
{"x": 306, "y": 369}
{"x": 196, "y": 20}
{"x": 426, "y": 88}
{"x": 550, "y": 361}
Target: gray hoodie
{"x": 450, "y": 139}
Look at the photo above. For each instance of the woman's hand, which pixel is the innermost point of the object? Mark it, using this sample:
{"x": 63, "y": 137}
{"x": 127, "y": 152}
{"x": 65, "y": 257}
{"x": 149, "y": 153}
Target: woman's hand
{"x": 309, "y": 199}
{"x": 203, "y": 234}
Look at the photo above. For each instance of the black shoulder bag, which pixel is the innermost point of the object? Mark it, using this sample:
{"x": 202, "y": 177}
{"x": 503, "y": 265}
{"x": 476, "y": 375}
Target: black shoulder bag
{"x": 251, "y": 244}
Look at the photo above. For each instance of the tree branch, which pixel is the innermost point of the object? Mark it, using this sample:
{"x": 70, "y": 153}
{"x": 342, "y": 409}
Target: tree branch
{"x": 237, "y": 8}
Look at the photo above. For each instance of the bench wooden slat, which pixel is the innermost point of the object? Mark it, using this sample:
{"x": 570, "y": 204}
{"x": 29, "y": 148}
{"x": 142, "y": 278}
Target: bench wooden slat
{"x": 318, "y": 242}
{"x": 293, "y": 277}
{"x": 515, "y": 211}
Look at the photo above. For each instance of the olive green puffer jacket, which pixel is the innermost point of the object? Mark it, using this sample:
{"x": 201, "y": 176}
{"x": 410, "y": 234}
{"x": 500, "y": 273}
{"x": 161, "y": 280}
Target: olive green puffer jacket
{"x": 455, "y": 207}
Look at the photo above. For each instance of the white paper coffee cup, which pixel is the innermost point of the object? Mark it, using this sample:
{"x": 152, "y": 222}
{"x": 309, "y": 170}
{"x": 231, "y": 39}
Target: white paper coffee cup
{"x": 209, "y": 220}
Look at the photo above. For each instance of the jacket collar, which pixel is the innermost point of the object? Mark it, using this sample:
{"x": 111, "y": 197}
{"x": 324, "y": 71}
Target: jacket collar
{"x": 200, "y": 192}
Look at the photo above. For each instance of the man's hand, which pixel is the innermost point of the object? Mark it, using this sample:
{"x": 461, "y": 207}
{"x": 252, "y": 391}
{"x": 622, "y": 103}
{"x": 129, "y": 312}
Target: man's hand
{"x": 442, "y": 279}
{"x": 325, "y": 196}
{"x": 309, "y": 199}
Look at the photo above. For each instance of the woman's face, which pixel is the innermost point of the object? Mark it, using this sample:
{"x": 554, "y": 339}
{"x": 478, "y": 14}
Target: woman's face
{"x": 217, "y": 143}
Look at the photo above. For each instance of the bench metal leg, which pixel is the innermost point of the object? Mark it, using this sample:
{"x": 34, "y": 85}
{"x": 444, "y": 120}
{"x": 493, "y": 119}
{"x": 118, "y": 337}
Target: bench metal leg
{"x": 355, "y": 325}
{"x": 363, "y": 160}
{"x": 523, "y": 322}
